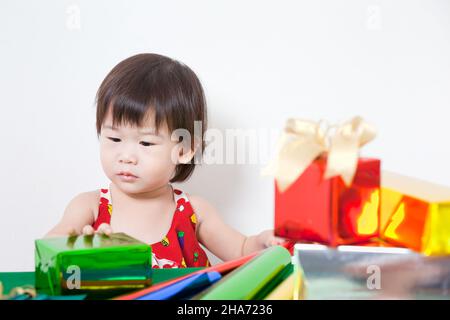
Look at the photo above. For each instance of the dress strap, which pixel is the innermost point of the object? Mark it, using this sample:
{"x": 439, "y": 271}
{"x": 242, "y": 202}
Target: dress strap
{"x": 106, "y": 194}
{"x": 184, "y": 207}
{"x": 104, "y": 208}
{"x": 178, "y": 195}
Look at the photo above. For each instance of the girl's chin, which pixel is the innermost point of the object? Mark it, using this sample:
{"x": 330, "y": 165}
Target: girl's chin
{"x": 132, "y": 188}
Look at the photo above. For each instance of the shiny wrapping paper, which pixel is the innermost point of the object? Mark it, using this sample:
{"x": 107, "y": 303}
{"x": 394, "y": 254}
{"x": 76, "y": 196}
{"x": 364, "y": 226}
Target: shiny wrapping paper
{"x": 292, "y": 287}
{"x": 276, "y": 281}
{"x": 367, "y": 272}
{"x": 316, "y": 209}
{"x": 251, "y": 279}
{"x": 222, "y": 268}
{"x": 115, "y": 263}
{"x": 415, "y": 214}
{"x": 184, "y": 289}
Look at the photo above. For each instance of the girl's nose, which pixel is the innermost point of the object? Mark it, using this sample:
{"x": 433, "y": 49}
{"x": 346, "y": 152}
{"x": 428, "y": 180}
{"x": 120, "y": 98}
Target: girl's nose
{"x": 127, "y": 159}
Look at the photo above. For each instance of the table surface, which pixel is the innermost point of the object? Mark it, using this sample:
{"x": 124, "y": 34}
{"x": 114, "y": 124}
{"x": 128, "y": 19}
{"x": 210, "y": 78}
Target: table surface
{"x": 331, "y": 274}
{"x": 11, "y": 280}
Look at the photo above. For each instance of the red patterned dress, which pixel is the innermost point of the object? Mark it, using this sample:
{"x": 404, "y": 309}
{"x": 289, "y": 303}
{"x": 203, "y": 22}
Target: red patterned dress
{"x": 179, "y": 248}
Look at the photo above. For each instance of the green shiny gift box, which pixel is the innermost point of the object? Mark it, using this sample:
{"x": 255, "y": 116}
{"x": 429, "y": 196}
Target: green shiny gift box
{"x": 92, "y": 264}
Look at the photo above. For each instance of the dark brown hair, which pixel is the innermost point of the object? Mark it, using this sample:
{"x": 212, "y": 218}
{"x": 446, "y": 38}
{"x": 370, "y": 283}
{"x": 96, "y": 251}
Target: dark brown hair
{"x": 151, "y": 81}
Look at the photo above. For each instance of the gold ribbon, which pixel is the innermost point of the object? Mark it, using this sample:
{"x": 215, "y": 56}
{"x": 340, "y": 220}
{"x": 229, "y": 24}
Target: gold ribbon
{"x": 304, "y": 141}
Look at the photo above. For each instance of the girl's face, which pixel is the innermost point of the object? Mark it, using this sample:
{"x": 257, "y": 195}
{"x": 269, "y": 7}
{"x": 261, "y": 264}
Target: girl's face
{"x": 135, "y": 159}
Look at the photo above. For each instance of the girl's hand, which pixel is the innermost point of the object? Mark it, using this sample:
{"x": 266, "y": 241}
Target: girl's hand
{"x": 104, "y": 228}
{"x": 88, "y": 230}
{"x": 268, "y": 239}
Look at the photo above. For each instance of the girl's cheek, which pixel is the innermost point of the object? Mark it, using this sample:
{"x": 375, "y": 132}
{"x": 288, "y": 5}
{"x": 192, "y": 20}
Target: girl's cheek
{"x": 158, "y": 164}
{"x": 108, "y": 151}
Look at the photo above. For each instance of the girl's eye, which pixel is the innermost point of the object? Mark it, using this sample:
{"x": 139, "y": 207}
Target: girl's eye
{"x": 146, "y": 144}
{"x": 114, "y": 139}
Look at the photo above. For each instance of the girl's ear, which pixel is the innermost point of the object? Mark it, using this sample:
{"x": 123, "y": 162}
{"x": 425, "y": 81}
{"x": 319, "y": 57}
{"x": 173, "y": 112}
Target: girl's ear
{"x": 185, "y": 157}
{"x": 186, "y": 153}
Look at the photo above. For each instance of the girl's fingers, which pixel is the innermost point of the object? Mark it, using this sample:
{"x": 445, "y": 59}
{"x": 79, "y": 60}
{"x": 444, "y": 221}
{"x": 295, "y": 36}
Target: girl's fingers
{"x": 72, "y": 232}
{"x": 278, "y": 240}
{"x": 269, "y": 239}
{"x": 105, "y": 229}
{"x": 88, "y": 230}
{"x": 275, "y": 241}
{"x": 272, "y": 240}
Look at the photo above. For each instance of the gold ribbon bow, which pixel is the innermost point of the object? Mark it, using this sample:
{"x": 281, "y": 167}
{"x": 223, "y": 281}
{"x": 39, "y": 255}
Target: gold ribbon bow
{"x": 303, "y": 141}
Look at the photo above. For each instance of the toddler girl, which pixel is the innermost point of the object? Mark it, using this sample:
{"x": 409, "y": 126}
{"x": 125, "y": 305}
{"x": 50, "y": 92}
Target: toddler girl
{"x": 140, "y": 104}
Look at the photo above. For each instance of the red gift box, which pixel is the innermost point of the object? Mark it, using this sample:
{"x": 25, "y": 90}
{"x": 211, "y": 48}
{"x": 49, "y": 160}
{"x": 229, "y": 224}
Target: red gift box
{"x": 324, "y": 192}
{"x": 315, "y": 209}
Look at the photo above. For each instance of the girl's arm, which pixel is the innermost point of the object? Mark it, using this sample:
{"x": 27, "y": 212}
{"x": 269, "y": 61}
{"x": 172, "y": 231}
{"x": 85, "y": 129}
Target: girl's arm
{"x": 221, "y": 239}
{"x": 77, "y": 215}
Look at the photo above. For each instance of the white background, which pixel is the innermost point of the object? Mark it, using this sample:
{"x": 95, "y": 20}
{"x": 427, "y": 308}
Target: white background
{"x": 260, "y": 62}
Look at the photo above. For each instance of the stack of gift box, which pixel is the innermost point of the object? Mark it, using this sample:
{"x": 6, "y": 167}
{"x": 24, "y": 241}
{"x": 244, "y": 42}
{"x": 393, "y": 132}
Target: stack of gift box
{"x": 345, "y": 214}
{"x": 351, "y": 218}
{"x": 337, "y": 198}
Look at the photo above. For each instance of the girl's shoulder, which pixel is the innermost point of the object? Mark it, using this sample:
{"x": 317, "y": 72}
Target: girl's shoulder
{"x": 83, "y": 206}
{"x": 90, "y": 200}
{"x": 202, "y": 208}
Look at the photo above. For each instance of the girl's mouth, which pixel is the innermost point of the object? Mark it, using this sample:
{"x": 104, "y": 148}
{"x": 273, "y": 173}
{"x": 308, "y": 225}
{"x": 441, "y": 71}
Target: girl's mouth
{"x": 127, "y": 177}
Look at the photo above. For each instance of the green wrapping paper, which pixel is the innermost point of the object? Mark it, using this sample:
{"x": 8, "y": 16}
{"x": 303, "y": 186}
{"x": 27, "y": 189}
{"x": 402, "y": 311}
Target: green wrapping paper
{"x": 247, "y": 281}
{"x": 91, "y": 264}
{"x": 272, "y": 284}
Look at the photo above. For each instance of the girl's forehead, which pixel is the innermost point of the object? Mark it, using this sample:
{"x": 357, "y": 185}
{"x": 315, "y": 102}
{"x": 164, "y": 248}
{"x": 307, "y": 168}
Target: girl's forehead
{"x": 147, "y": 125}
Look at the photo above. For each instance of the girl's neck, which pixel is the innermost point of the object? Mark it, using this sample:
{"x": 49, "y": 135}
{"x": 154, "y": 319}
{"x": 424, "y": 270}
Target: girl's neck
{"x": 164, "y": 192}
